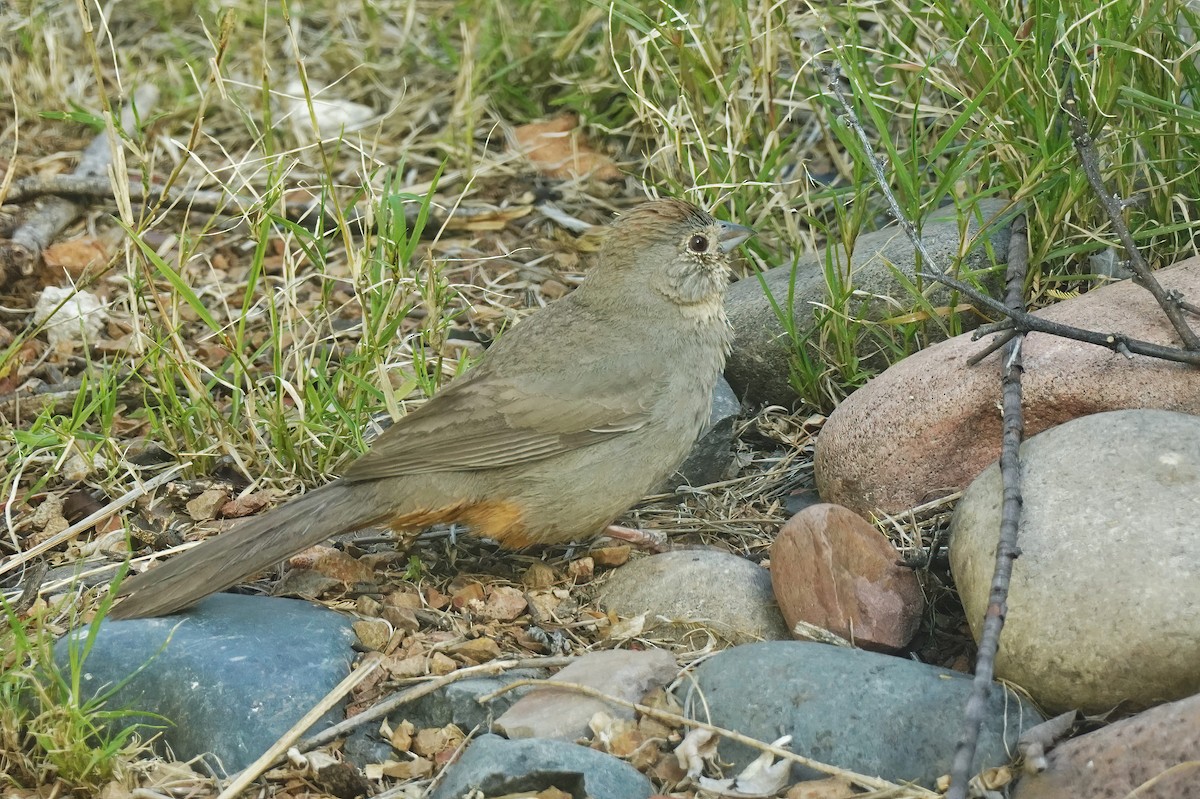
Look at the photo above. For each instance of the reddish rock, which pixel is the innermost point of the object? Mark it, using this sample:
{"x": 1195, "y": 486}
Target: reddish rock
{"x": 929, "y": 425}
{"x": 831, "y": 568}
{"x": 1150, "y": 756}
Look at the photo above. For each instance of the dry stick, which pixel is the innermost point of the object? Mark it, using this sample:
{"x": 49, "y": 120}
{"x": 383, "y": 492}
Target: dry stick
{"x": 31, "y": 238}
{"x": 83, "y": 524}
{"x": 1090, "y": 160}
{"x": 388, "y": 705}
{"x": 1010, "y": 517}
{"x": 874, "y": 783}
{"x": 1028, "y": 323}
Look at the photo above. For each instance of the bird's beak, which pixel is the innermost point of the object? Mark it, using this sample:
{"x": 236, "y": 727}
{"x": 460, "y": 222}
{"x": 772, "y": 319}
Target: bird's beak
{"x": 732, "y": 235}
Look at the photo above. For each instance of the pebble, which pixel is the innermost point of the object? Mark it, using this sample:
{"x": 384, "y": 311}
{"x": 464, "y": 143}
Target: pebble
{"x": 833, "y": 569}
{"x": 692, "y": 593}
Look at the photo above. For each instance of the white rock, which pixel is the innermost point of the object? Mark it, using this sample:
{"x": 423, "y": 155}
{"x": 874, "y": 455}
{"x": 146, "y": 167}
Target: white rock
{"x": 1104, "y": 605}
{"x": 79, "y": 320}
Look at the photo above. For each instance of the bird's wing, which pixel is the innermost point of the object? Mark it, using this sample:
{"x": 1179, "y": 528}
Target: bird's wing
{"x": 489, "y": 421}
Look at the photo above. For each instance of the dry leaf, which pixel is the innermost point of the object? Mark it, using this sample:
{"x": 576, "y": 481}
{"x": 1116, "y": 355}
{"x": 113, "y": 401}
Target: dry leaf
{"x": 76, "y": 256}
{"x": 828, "y": 788}
{"x": 696, "y": 747}
{"x": 558, "y": 149}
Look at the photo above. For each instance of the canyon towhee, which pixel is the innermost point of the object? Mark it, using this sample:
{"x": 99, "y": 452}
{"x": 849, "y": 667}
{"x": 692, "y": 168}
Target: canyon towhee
{"x": 568, "y": 420}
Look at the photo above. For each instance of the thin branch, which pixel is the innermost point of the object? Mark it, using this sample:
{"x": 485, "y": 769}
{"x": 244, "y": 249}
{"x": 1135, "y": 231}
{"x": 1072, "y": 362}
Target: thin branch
{"x": 1113, "y": 205}
{"x": 1028, "y": 323}
{"x": 876, "y": 164}
{"x": 1007, "y": 551}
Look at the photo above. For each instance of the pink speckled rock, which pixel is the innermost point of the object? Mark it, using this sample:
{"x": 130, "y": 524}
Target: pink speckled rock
{"x": 930, "y": 424}
{"x": 831, "y": 568}
{"x": 1150, "y": 756}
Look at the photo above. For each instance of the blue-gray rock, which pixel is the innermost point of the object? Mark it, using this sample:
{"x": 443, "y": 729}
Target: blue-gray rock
{"x": 497, "y": 767}
{"x": 759, "y": 364}
{"x": 232, "y": 674}
{"x": 456, "y": 703}
{"x": 712, "y": 454}
{"x": 874, "y": 714}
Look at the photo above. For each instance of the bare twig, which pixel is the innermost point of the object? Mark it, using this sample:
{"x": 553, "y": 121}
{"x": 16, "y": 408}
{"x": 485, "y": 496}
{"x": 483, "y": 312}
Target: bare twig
{"x": 83, "y": 524}
{"x": 876, "y": 164}
{"x": 873, "y": 783}
{"x": 1085, "y": 145}
{"x": 1010, "y": 518}
{"x": 1028, "y": 323}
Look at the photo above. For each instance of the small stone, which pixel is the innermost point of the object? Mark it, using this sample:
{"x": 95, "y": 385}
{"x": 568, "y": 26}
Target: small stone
{"x": 539, "y": 575}
{"x": 205, "y": 506}
{"x": 334, "y": 564}
{"x": 504, "y": 603}
{"x": 833, "y": 569}
{"x": 611, "y": 556}
{"x": 441, "y": 665}
{"x": 581, "y": 570}
{"x": 565, "y": 715}
{"x": 373, "y": 634}
{"x": 495, "y": 767}
{"x": 402, "y": 619}
{"x": 683, "y": 593}
{"x": 477, "y": 650}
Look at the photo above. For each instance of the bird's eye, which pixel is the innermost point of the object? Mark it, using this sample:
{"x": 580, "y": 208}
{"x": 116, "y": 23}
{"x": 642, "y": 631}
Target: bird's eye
{"x": 698, "y": 243}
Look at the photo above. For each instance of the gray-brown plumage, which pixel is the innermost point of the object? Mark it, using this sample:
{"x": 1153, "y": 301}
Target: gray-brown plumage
{"x": 568, "y": 420}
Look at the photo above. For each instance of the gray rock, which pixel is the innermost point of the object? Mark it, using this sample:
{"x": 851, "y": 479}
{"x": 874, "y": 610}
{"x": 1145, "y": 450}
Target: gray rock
{"x": 232, "y": 674}
{"x": 874, "y": 714}
{"x": 456, "y": 703}
{"x": 564, "y": 715}
{"x": 1104, "y": 602}
{"x": 759, "y": 365}
{"x": 498, "y": 767}
{"x": 712, "y": 454}
{"x": 1150, "y": 756}
{"x": 683, "y": 590}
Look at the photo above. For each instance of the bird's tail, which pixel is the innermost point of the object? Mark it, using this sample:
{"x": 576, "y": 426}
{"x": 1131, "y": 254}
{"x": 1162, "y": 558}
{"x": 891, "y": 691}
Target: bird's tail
{"x": 232, "y": 556}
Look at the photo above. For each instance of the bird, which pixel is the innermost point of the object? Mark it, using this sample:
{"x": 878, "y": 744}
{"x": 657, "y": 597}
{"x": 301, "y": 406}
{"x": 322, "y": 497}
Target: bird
{"x": 569, "y": 419}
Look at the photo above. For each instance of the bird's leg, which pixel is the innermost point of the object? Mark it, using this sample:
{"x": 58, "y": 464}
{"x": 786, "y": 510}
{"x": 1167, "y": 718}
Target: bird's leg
{"x": 651, "y": 540}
